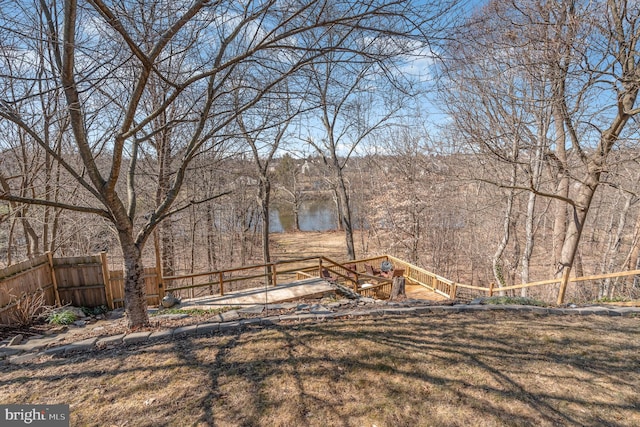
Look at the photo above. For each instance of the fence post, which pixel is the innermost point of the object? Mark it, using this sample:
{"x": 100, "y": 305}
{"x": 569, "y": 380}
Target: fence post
{"x": 491, "y": 285}
{"x": 563, "y": 284}
{"x": 159, "y": 281}
{"x": 54, "y": 281}
{"x": 454, "y": 290}
{"x": 107, "y": 280}
{"x": 274, "y": 275}
{"x": 221, "y": 281}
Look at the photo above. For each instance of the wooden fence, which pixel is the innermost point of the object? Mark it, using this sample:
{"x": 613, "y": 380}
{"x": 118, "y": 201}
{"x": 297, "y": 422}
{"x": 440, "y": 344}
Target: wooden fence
{"x": 491, "y": 289}
{"x": 80, "y": 281}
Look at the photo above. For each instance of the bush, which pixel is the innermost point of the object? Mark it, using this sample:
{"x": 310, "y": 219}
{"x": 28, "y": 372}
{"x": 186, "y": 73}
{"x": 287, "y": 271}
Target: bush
{"x": 64, "y": 317}
{"x": 94, "y": 311}
{"x": 28, "y": 308}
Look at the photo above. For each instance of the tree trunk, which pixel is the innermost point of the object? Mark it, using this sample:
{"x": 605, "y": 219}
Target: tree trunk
{"x": 134, "y": 286}
{"x": 575, "y": 227}
{"x": 264, "y": 198}
{"x": 345, "y": 215}
{"x": 497, "y": 267}
{"x": 610, "y": 259}
{"x": 560, "y": 206}
{"x": 398, "y": 289}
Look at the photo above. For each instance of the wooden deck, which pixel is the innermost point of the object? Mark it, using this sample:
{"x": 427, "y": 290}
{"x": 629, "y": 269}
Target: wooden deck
{"x": 248, "y": 297}
{"x": 301, "y": 289}
{"x": 420, "y": 292}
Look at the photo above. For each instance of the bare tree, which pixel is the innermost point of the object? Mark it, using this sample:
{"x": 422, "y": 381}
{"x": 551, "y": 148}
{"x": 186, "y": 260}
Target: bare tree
{"x": 355, "y": 100}
{"x": 263, "y": 128}
{"x": 585, "y": 59}
{"x": 288, "y": 177}
{"x": 103, "y": 57}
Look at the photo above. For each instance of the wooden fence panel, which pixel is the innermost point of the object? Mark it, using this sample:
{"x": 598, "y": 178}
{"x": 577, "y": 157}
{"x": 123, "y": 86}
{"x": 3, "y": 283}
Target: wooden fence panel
{"x": 116, "y": 283}
{"x": 25, "y": 278}
{"x": 80, "y": 281}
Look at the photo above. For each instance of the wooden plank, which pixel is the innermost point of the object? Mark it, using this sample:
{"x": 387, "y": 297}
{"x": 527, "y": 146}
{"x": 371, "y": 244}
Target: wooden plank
{"x": 477, "y": 288}
{"x": 105, "y": 278}
{"x": 563, "y": 284}
{"x": 82, "y": 287}
{"x": 606, "y": 276}
{"x": 12, "y": 272}
{"x": 53, "y": 278}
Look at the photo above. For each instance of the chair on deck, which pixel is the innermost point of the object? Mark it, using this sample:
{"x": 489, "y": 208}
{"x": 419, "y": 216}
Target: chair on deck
{"x": 371, "y": 270}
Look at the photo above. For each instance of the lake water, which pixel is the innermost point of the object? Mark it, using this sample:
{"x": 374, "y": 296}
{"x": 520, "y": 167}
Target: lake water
{"x": 315, "y": 215}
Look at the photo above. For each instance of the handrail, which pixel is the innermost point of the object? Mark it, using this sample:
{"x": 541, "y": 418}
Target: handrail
{"x": 246, "y": 267}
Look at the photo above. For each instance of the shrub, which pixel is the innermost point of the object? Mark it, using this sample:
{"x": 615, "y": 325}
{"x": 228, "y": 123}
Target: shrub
{"x": 64, "y": 317}
{"x": 93, "y": 311}
{"x": 28, "y": 307}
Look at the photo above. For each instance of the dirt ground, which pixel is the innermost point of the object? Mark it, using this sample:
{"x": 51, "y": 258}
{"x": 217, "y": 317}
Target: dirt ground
{"x": 302, "y": 244}
{"x": 480, "y": 369}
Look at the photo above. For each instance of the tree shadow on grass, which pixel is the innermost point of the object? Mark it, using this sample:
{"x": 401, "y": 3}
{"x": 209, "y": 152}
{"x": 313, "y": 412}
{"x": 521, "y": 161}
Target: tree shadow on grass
{"x": 429, "y": 370}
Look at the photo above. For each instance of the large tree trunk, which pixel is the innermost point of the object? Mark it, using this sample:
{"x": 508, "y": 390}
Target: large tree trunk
{"x": 562, "y": 191}
{"x": 345, "y": 215}
{"x": 497, "y": 265}
{"x": 536, "y": 172}
{"x": 264, "y": 199}
{"x": 134, "y": 287}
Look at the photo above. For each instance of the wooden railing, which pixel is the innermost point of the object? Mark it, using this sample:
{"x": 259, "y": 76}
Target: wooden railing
{"x": 491, "y": 289}
{"x": 349, "y": 273}
{"x": 420, "y": 276}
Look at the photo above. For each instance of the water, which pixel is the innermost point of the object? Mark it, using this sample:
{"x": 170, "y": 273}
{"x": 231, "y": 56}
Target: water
{"x": 314, "y": 215}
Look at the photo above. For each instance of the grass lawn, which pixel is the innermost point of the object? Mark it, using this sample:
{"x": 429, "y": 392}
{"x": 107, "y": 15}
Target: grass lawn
{"x": 473, "y": 369}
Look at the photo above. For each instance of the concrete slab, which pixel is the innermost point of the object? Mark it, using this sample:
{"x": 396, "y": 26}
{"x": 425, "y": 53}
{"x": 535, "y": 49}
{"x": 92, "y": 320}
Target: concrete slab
{"x": 136, "y": 337}
{"x": 8, "y": 351}
{"x": 251, "y": 322}
{"x": 229, "y": 326}
{"x": 164, "y": 334}
{"x": 109, "y": 341}
{"x": 23, "y": 358}
{"x": 256, "y": 309}
{"x": 81, "y": 345}
{"x": 229, "y": 316}
{"x": 399, "y": 311}
{"x": 185, "y": 330}
{"x": 57, "y": 350}
{"x": 208, "y": 328}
